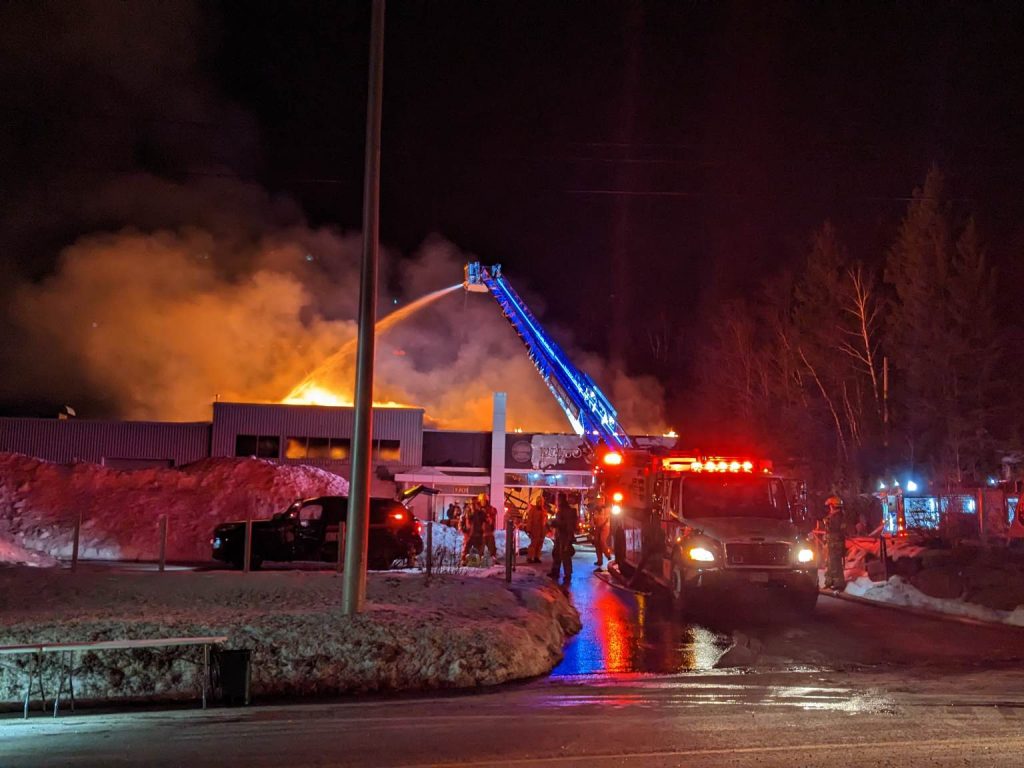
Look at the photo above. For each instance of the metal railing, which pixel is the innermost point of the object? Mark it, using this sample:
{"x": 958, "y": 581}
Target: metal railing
{"x": 34, "y": 674}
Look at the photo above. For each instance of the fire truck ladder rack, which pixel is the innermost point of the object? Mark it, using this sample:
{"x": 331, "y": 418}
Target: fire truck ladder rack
{"x": 588, "y": 410}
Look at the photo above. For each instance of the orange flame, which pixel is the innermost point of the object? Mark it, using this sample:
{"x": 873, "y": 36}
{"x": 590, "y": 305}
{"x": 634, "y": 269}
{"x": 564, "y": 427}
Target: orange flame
{"x": 311, "y": 390}
{"x": 312, "y": 394}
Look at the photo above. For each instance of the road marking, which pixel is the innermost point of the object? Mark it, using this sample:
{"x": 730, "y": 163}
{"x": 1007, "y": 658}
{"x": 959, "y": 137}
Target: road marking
{"x": 1000, "y": 741}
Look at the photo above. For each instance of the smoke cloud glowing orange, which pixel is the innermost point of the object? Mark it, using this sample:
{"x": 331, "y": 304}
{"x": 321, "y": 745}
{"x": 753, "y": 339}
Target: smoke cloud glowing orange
{"x": 159, "y": 324}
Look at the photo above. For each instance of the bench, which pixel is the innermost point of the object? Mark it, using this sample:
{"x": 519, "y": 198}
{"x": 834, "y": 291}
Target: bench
{"x": 68, "y": 650}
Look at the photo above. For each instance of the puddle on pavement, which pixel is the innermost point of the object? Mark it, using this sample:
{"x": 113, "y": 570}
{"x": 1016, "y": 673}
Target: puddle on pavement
{"x": 625, "y": 631}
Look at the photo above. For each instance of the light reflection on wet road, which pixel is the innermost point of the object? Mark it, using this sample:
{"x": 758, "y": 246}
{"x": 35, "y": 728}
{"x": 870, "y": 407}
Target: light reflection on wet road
{"x": 625, "y": 631}
{"x": 629, "y": 632}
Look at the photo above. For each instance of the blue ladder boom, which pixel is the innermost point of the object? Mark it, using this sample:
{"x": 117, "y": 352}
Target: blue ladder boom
{"x": 588, "y": 410}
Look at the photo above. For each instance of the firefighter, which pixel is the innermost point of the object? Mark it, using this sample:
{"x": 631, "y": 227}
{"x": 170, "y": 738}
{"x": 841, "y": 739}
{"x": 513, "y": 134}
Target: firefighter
{"x": 490, "y": 523}
{"x": 600, "y": 522}
{"x": 472, "y": 530}
{"x": 536, "y": 526}
{"x": 566, "y": 521}
{"x": 835, "y": 544}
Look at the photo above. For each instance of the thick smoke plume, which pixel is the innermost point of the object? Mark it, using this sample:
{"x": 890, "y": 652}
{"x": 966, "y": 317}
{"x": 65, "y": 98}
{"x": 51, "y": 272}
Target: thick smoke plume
{"x": 163, "y": 323}
{"x": 143, "y": 280}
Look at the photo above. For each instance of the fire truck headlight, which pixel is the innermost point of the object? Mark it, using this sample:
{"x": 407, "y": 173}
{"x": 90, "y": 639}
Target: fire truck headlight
{"x": 617, "y": 497}
{"x": 805, "y": 555}
{"x": 702, "y": 555}
{"x": 616, "y": 509}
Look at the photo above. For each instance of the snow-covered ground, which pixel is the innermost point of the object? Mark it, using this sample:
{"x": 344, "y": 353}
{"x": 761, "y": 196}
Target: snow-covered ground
{"x": 898, "y": 591}
{"x": 40, "y": 501}
{"x": 12, "y": 553}
{"x": 459, "y": 630}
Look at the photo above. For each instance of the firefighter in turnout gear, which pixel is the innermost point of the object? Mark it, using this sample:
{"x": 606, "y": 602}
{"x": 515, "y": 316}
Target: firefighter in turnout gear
{"x": 566, "y": 522}
{"x": 835, "y": 545}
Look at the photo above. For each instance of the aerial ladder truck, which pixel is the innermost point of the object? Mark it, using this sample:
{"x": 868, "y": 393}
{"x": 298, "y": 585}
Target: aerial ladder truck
{"x": 690, "y": 522}
{"x": 585, "y": 406}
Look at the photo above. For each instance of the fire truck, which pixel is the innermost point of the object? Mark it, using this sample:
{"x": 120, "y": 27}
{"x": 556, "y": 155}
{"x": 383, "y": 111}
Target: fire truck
{"x": 703, "y": 526}
{"x": 690, "y": 522}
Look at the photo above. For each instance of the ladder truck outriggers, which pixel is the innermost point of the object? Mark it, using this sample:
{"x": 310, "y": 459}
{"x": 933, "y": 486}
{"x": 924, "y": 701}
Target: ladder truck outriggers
{"x": 693, "y": 523}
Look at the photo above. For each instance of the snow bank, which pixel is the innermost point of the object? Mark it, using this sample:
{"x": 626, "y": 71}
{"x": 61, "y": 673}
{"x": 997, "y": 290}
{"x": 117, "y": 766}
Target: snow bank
{"x": 898, "y": 591}
{"x": 860, "y": 548}
{"x": 12, "y": 553}
{"x": 458, "y": 631}
{"x": 39, "y": 502}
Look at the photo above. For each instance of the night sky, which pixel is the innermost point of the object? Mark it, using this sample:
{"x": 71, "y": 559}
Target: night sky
{"x": 632, "y": 163}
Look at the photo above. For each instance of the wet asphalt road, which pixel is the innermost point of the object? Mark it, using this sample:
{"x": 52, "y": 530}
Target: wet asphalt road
{"x": 852, "y": 686}
{"x": 629, "y": 632}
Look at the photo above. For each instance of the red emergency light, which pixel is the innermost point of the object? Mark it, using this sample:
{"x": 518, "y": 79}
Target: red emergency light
{"x": 612, "y": 459}
{"x": 707, "y": 464}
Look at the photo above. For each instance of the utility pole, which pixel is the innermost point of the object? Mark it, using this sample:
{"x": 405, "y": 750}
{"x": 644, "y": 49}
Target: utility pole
{"x": 358, "y": 520}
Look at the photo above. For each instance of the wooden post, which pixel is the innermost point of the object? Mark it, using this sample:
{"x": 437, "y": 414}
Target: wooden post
{"x": 74, "y": 545}
{"x": 510, "y": 529}
{"x": 430, "y": 540}
{"x": 247, "y": 557}
{"x": 163, "y": 541}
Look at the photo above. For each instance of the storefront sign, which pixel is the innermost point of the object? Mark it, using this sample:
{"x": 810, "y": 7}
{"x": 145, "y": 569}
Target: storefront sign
{"x": 534, "y": 451}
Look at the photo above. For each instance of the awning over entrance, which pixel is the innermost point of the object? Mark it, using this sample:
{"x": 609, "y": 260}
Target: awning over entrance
{"x": 443, "y": 477}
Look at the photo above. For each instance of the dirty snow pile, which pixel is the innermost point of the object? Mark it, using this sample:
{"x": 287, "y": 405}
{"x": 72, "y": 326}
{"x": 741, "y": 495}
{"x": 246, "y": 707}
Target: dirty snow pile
{"x": 12, "y": 553}
{"x": 457, "y": 631}
{"x": 898, "y": 591}
{"x": 40, "y": 501}
{"x": 861, "y": 549}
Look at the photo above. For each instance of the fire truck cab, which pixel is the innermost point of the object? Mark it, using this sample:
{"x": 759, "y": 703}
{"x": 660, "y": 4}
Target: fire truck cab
{"x": 698, "y": 524}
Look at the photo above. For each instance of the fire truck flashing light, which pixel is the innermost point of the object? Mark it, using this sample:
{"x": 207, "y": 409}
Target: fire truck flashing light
{"x": 709, "y": 465}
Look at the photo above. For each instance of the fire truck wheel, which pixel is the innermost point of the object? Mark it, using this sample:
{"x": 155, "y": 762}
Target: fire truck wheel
{"x": 806, "y": 600}
{"x": 619, "y": 546}
{"x": 677, "y": 590}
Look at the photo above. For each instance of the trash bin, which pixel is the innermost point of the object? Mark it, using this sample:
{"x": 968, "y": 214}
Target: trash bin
{"x": 233, "y": 674}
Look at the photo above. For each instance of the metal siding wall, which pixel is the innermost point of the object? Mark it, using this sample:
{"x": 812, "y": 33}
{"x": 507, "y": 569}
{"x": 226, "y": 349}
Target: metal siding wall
{"x": 67, "y": 440}
{"x": 456, "y": 449}
{"x": 232, "y": 419}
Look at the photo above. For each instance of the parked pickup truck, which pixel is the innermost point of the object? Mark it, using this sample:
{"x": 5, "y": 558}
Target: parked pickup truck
{"x": 308, "y": 530}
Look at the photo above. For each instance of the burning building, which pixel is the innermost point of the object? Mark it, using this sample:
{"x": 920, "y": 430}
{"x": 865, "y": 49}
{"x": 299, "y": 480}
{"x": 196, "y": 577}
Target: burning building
{"x": 460, "y": 464}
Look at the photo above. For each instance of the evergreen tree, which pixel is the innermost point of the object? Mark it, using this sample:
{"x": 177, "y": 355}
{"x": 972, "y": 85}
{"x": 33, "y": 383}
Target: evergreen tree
{"x": 917, "y": 269}
{"x": 974, "y": 402}
{"x": 944, "y": 341}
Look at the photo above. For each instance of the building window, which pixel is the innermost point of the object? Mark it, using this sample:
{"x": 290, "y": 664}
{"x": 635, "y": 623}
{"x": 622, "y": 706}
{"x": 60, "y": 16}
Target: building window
{"x": 319, "y": 448}
{"x": 261, "y": 446}
{"x": 341, "y": 448}
{"x": 921, "y": 512}
{"x": 295, "y": 448}
{"x": 387, "y": 450}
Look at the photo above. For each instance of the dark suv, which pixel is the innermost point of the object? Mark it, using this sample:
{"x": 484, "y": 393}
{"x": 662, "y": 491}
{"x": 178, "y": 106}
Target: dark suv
{"x": 308, "y": 530}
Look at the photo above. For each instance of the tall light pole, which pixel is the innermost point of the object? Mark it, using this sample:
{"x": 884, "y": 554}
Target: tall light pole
{"x": 358, "y": 520}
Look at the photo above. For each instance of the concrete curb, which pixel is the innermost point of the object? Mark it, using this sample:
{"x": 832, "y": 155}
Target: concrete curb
{"x": 922, "y": 612}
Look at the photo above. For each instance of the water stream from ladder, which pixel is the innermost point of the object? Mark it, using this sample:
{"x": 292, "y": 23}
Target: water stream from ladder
{"x": 347, "y": 351}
